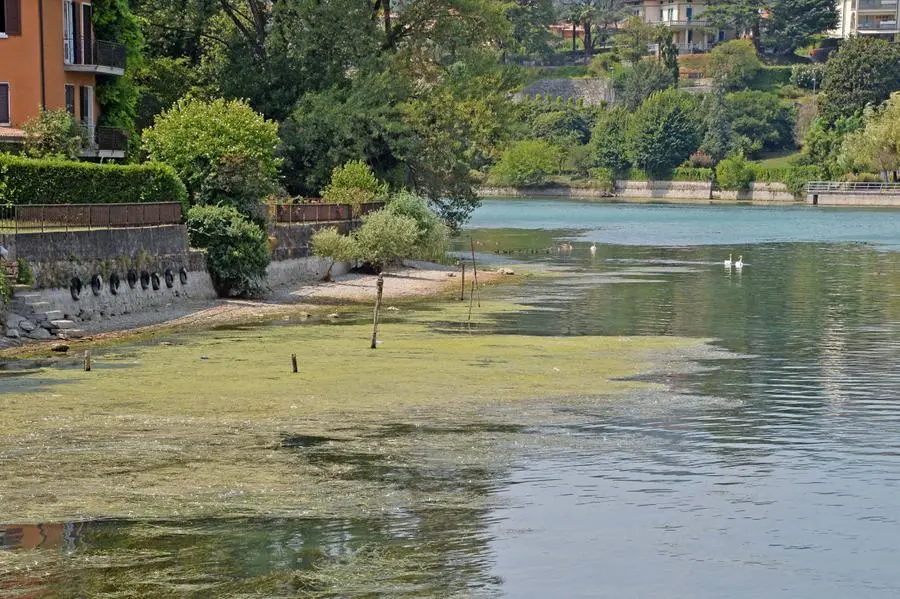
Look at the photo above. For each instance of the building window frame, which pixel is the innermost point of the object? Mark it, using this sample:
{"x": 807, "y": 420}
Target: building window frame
{"x": 5, "y": 88}
{"x": 70, "y": 107}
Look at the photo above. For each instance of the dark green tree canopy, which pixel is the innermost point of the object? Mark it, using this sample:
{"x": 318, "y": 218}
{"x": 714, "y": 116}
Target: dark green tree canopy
{"x": 663, "y": 132}
{"x": 863, "y": 71}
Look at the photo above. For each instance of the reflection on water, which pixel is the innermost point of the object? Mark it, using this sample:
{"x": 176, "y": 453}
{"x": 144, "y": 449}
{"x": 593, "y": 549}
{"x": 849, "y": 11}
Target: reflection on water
{"x": 769, "y": 470}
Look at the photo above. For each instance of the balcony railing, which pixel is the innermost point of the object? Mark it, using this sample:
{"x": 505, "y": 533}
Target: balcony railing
{"x": 103, "y": 141}
{"x": 83, "y": 54}
{"x": 879, "y": 5}
{"x": 878, "y": 25}
{"x": 680, "y": 23}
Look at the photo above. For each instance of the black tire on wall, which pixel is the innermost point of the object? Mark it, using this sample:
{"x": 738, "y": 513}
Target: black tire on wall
{"x": 145, "y": 279}
{"x": 182, "y": 275}
{"x": 154, "y": 280}
{"x": 75, "y": 288}
{"x": 169, "y": 277}
{"x": 114, "y": 283}
{"x": 96, "y": 284}
{"x": 132, "y": 277}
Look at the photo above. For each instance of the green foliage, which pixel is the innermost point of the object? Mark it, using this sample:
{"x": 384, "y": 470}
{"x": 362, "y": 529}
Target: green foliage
{"x": 431, "y": 241}
{"x": 531, "y": 22}
{"x": 663, "y": 132}
{"x": 688, "y": 173}
{"x": 25, "y": 275}
{"x": 562, "y": 128}
{"x": 202, "y": 139}
{"x": 605, "y": 176}
{"x": 734, "y": 173}
{"x": 771, "y": 78}
{"x": 733, "y": 64}
{"x": 603, "y": 64}
{"x": 526, "y": 163}
{"x": 634, "y": 85}
{"x": 6, "y": 290}
{"x": 808, "y": 76}
{"x": 579, "y": 160}
{"x": 876, "y": 146}
{"x": 760, "y": 121}
{"x": 329, "y": 243}
{"x": 237, "y": 251}
{"x": 668, "y": 51}
{"x": 718, "y": 132}
{"x": 632, "y": 39}
{"x": 608, "y": 140}
{"x": 822, "y": 144}
{"x": 162, "y": 81}
{"x": 386, "y": 238}
{"x": 30, "y": 181}
{"x": 864, "y": 71}
{"x": 118, "y": 96}
{"x": 52, "y": 134}
{"x": 355, "y": 184}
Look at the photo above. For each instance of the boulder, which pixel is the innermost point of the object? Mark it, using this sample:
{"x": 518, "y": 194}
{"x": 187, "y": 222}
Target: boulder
{"x": 13, "y": 333}
{"x": 39, "y": 333}
{"x": 27, "y": 325}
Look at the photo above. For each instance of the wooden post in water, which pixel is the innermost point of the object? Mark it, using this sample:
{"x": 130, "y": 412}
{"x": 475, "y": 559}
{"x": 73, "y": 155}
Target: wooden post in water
{"x": 377, "y": 307}
{"x": 87, "y": 360}
{"x": 294, "y": 362}
{"x": 475, "y": 272}
{"x": 462, "y": 287}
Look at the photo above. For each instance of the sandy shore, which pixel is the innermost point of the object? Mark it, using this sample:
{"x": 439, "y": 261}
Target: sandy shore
{"x": 416, "y": 279}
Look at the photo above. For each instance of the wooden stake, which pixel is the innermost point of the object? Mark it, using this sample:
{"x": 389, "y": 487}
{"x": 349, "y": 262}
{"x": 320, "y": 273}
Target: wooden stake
{"x": 87, "y": 360}
{"x": 294, "y": 362}
{"x": 462, "y": 287}
{"x": 377, "y": 307}
{"x": 475, "y": 272}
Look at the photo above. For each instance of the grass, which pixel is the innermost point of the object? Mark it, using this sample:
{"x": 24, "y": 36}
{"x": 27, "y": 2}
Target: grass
{"x": 778, "y": 159}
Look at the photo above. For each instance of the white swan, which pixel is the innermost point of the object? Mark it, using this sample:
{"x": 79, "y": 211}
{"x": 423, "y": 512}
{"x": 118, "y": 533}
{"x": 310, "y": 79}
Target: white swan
{"x": 728, "y": 262}
{"x": 593, "y": 248}
{"x": 740, "y": 263}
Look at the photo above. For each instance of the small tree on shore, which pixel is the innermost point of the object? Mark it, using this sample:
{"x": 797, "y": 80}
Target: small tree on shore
{"x": 330, "y": 244}
{"x": 355, "y": 184}
{"x": 386, "y": 238}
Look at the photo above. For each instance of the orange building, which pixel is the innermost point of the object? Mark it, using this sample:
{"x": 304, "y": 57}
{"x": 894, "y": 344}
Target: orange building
{"x": 50, "y": 57}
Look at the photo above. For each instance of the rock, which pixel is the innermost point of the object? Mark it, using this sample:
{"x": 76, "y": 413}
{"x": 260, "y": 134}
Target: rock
{"x": 334, "y": 315}
{"x": 13, "y": 333}
{"x": 60, "y": 347}
{"x": 62, "y": 324}
{"x": 27, "y": 325}
{"x": 204, "y": 357}
{"x": 506, "y": 271}
{"x": 74, "y": 333}
{"x": 451, "y": 274}
{"x": 51, "y": 315}
{"x": 13, "y": 320}
{"x": 393, "y": 309}
{"x": 39, "y": 333}
{"x": 166, "y": 343}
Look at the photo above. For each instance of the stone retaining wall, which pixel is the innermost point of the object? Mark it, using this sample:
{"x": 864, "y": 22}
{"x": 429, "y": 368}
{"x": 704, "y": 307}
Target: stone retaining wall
{"x": 593, "y": 91}
{"x": 855, "y": 199}
{"x": 763, "y": 193}
{"x": 665, "y": 190}
{"x": 676, "y": 191}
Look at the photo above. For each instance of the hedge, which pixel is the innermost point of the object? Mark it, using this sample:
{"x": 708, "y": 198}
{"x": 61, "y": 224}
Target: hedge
{"x": 794, "y": 177}
{"x": 31, "y": 181}
{"x": 687, "y": 173}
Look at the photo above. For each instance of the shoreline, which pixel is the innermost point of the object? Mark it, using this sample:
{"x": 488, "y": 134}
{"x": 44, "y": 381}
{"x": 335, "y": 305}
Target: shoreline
{"x": 308, "y": 299}
{"x": 644, "y": 192}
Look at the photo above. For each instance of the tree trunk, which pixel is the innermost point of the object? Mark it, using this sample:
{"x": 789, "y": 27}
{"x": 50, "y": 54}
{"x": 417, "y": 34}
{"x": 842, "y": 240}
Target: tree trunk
{"x": 588, "y": 42}
{"x": 574, "y": 36}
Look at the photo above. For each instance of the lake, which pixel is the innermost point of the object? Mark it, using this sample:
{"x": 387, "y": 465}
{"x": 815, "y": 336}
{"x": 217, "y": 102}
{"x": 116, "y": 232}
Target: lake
{"x": 765, "y": 465}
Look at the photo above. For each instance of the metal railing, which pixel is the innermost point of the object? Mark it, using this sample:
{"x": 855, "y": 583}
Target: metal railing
{"x": 320, "y": 213}
{"x": 680, "y": 22}
{"x": 81, "y": 51}
{"x": 885, "y": 5}
{"x": 98, "y": 139}
{"x": 878, "y": 26}
{"x": 64, "y": 217}
{"x": 851, "y": 187}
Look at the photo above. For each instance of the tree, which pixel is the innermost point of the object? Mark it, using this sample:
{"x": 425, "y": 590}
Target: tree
{"x": 386, "y": 238}
{"x": 432, "y": 237}
{"x": 355, "y": 184}
{"x": 668, "y": 51}
{"x": 201, "y": 139}
{"x": 608, "y": 140}
{"x": 634, "y": 85}
{"x": 734, "y": 64}
{"x": 718, "y": 132}
{"x": 526, "y": 163}
{"x": 118, "y": 96}
{"x": 864, "y": 71}
{"x": 822, "y": 144}
{"x": 52, "y": 134}
{"x": 562, "y": 128}
{"x": 760, "y": 121}
{"x": 633, "y": 39}
{"x": 329, "y": 243}
{"x": 734, "y": 173}
{"x": 876, "y": 147}
{"x": 663, "y": 132}
{"x": 531, "y": 20}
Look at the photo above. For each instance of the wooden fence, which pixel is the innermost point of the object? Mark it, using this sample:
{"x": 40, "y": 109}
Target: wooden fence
{"x": 62, "y": 217}
{"x": 320, "y": 213}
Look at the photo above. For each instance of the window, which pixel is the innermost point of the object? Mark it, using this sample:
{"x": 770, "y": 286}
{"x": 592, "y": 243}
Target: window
{"x": 4, "y": 104}
{"x": 11, "y": 17}
{"x": 70, "y": 100}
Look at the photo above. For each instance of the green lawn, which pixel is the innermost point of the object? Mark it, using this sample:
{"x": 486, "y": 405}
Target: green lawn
{"x": 778, "y": 159}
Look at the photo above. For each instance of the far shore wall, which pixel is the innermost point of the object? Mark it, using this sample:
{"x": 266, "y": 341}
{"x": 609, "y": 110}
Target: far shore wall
{"x": 678, "y": 191}
{"x": 857, "y": 199}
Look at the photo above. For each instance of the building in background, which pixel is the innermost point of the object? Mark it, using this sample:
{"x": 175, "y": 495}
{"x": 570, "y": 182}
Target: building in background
{"x": 50, "y": 58}
{"x": 690, "y": 31}
{"x": 869, "y": 17}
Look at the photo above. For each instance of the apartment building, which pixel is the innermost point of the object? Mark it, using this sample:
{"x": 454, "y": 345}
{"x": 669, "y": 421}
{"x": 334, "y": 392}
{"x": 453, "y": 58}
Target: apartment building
{"x": 691, "y": 33}
{"x": 50, "y": 57}
{"x": 869, "y": 17}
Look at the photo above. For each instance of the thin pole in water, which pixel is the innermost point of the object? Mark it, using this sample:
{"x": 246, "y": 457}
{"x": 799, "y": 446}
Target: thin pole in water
{"x": 294, "y": 362}
{"x": 462, "y": 287}
{"x": 87, "y": 360}
{"x": 377, "y": 307}
{"x": 475, "y": 272}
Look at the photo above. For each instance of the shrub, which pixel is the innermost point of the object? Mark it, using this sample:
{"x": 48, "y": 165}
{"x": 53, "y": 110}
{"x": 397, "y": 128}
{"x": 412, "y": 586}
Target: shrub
{"x": 355, "y": 184}
{"x": 52, "y": 134}
{"x": 328, "y": 243}
{"x": 734, "y": 173}
{"x": 634, "y": 85}
{"x": 733, "y": 64}
{"x": 603, "y": 64}
{"x": 794, "y": 178}
{"x": 237, "y": 249}
{"x": 760, "y": 121}
{"x": 663, "y": 132}
{"x": 579, "y": 160}
{"x": 685, "y": 173}
{"x": 608, "y": 140}
{"x": 201, "y": 140}
{"x": 386, "y": 238}
{"x": 807, "y": 76}
{"x": 862, "y": 178}
{"x": 526, "y": 163}
{"x": 25, "y": 275}
{"x": 51, "y": 181}
{"x": 771, "y": 78}
{"x": 605, "y": 177}
{"x": 432, "y": 238}
{"x": 6, "y": 289}
{"x": 700, "y": 159}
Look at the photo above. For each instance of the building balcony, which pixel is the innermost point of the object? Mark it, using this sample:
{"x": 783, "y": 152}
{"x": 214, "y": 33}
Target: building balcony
{"x": 103, "y": 142}
{"x": 877, "y": 6}
{"x": 681, "y": 24}
{"x": 878, "y": 27}
{"x": 93, "y": 56}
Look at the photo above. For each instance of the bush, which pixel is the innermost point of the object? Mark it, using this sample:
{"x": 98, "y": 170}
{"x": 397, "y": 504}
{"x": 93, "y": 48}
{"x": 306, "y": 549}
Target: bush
{"x": 52, "y": 134}
{"x": 608, "y": 140}
{"x": 605, "y": 177}
{"x": 50, "y": 181}
{"x": 733, "y": 64}
{"x": 237, "y": 249}
{"x": 794, "y": 178}
{"x": 208, "y": 143}
{"x": 355, "y": 184}
{"x": 433, "y": 237}
{"x": 771, "y": 78}
{"x": 526, "y": 163}
{"x": 734, "y": 173}
{"x": 862, "y": 178}
{"x": 685, "y": 173}
{"x": 760, "y": 121}
{"x": 328, "y": 243}
{"x": 602, "y": 64}
{"x": 807, "y": 76}
{"x": 386, "y": 238}
{"x": 700, "y": 159}
{"x": 634, "y": 85}
{"x": 25, "y": 275}
{"x": 663, "y": 132}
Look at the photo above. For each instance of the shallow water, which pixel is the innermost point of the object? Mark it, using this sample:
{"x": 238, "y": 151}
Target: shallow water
{"x": 770, "y": 468}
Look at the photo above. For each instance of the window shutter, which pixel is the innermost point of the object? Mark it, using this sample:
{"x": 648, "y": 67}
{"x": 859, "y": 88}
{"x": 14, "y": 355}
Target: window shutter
{"x": 4, "y": 103}
{"x": 70, "y": 100}
{"x": 84, "y": 100}
{"x": 13, "y": 17}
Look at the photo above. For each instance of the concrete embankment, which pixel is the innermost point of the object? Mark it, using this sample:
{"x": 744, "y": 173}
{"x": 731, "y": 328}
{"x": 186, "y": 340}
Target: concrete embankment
{"x": 663, "y": 191}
